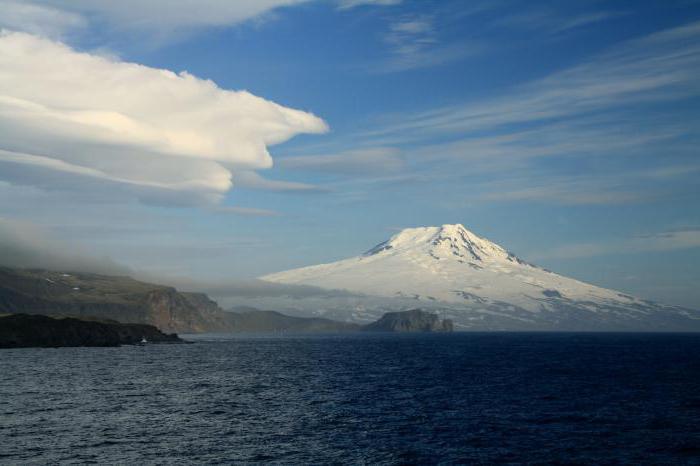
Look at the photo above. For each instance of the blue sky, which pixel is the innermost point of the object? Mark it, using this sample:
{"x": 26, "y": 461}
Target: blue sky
{"x": 565, "y": 131}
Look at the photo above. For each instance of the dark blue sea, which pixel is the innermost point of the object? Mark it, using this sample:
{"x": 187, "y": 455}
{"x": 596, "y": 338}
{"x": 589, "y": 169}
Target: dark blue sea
{"x": 357, "y": 399}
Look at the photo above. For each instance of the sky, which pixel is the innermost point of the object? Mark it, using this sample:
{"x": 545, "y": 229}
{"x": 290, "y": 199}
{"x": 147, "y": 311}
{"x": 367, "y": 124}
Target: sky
{"x": 223, "y": 140}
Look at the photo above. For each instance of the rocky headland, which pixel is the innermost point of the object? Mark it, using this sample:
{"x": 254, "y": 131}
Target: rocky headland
{"x": 25, "y": 330}
{"x": 101, "y": 310}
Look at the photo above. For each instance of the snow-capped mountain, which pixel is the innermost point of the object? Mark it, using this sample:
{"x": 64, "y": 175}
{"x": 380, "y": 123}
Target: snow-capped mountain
{"x": 478, "y": 284}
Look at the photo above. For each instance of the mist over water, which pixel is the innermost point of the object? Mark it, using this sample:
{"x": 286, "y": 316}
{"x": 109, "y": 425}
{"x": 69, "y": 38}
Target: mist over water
{"x": 379, "y": 399}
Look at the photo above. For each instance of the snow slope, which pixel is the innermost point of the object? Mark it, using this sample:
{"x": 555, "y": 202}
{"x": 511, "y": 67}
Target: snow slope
{"x": 480, "y": 285}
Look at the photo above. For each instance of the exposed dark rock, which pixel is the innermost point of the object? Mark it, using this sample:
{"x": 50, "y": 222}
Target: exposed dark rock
{"x": 415, "y": 320}
{"x": 123, "y": 299}
{"x": 25, "y": 331}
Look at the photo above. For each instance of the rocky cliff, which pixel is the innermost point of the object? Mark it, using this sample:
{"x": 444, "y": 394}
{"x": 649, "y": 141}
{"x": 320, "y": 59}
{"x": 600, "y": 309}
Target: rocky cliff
{"x": 24, "y": 331}
{"x": 122, "y": 299}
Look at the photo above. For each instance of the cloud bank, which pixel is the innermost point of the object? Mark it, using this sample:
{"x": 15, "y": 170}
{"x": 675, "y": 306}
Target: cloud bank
{"x": 366, "y": 161}
{"x": 657, "y": 242}
{"x": 348, "y": 4}
{"x": 156, "y": 17}
{"x": 160, "y": 20}
{"x": 71, "y": 115}
{"x": 25, "y": 245}
{"x": 38, "y": 19}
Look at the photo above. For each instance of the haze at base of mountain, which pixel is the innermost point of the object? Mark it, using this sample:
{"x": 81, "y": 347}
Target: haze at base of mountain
{"x": 123, "y": 299}
{"x": 472, "y": 281}
{"x": 87, "y": 297}
{"x": 255, "y": 321}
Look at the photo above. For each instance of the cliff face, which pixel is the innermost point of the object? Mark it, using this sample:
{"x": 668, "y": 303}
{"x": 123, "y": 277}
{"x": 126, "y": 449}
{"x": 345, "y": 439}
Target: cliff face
{"x": 415, "y": 320}
{"x": 122, "y": 299}
{"x": 25, "y": 331}
{"x": 185, "y": 312}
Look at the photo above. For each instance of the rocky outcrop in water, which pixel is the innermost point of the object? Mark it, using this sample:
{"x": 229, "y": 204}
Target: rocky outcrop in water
{"x": 27, "y": 331}
{"x": 415, "y": 320}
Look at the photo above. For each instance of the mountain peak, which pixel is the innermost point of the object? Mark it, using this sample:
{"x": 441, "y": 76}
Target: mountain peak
{"x": 449, "y": 241}
{"x": 476, "y": 283}
{"x": 456, "y": 241}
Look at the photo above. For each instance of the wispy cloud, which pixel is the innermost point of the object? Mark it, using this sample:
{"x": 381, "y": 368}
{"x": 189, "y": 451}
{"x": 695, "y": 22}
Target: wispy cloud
{"x": 656, "y": 242}
{"x": 247, "y": 211}
{"x": 660, "y": 67}
{"x": 589, "y": 190}
{"x": 376, "y": 161}
{"x": 618, "y": 187}
{"x": 157, "y": 18}
{"x": 614, "y": 105}
{"x": 24, "y": 244}
{"x": 253, "y": 180}
{"x": 414, "y": 42}
{"x": 348, "y": 4}
{"x": 554, "y": 22}
{"x": 39, "y": 19}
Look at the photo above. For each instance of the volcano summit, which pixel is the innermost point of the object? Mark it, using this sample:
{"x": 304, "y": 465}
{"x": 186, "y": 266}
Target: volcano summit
{"x": 479, "y": 285}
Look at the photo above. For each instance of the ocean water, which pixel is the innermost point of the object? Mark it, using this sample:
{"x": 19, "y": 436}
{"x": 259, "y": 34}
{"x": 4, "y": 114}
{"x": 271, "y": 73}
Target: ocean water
{"x": 357, "y": 399}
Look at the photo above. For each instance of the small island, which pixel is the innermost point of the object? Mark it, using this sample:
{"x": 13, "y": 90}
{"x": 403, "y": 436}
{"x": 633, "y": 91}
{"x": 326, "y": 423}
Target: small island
{"x": 39, "y": 331}
{"x": 415, "y": 320}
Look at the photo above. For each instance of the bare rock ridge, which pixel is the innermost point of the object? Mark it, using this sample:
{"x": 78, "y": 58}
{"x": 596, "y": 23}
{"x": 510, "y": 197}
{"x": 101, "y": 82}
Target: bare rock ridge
{"x": 122, "y": 299}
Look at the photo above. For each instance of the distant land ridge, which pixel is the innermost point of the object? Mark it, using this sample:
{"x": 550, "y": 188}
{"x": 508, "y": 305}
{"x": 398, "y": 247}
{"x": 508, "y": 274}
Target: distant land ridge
{"x": 25, "y": 330}
{"x": 60, "y": 301}
{"x": 120, "y": 298}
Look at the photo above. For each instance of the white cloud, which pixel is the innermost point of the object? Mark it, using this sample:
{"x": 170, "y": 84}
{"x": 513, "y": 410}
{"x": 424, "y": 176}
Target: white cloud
{"x": 544, "y": 19}
{"x": 370, "y": 161}
{"x": 157, "y": 17}
{"x": 658, "y": 242}
{"x": 24, "y": 244}
{"x": 159, "y": 20}
{"x": 38, "y": 19}
{"x": 88, "y": 116}
{"x": 615, "y": 105}
{"x": 247, "y": 211}
{"x": 348, "y": 4}
{"x": 585, "y": 191}
{"x": 661, "y": 67}
{"x": 253, "y": 180}
{"x": 414, "y": 43}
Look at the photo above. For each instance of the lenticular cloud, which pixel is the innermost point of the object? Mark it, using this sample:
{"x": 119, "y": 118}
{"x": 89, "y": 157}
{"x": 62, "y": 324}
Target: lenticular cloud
{"x": 66, "y": 113}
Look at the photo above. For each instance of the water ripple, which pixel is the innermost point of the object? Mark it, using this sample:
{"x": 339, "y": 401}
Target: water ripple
{"x": 362, "y": 399}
